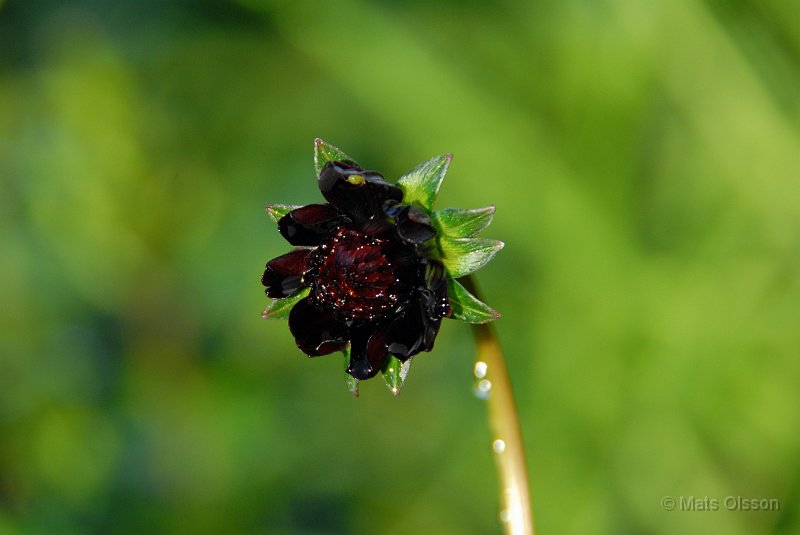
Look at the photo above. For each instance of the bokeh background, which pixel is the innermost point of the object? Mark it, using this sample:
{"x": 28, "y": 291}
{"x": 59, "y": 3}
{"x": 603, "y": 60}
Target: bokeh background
{"x": 644, "y": 158}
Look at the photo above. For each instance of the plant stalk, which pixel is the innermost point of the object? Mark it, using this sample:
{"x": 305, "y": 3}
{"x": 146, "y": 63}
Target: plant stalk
{"x": 494, "y": 384}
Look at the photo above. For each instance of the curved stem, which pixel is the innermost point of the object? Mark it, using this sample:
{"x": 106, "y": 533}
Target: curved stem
{"x": 495, "y": 384}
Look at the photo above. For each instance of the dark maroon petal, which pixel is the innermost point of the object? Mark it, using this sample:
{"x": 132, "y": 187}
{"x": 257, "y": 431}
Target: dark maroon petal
{"x": 310, "y": 225}
{"x": 358, "y": 193}
{"x": 316, "y": 331}
{"x": 430, "y": 332}
{"x": 283, "y": 276}
{"x": 411, "y": 332}
{"x": 368, "y": 351}
{"x": 414, "y": 225}
{"x": 406, "y": 334}
{"x": 434, "y": 294}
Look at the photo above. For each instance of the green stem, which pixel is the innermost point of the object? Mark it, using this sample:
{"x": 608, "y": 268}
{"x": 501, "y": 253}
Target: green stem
{"x": 495, "y": 383}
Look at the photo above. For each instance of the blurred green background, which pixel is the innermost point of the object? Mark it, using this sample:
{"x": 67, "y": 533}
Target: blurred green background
{"x": 644, "y": 158}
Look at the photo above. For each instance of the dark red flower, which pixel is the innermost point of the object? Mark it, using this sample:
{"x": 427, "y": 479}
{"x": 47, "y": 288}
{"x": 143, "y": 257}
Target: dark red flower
{"x": 372, "y": 265}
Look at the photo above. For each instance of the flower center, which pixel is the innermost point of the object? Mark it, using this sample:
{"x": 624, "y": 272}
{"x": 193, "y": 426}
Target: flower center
{"x": 356, "y": 276}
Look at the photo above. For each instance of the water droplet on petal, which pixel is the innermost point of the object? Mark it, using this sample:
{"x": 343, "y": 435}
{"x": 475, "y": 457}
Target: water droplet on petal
{"x": 505, "y": 516}
{"x": 499, "y": 446}
{"x": 480, "y": 369}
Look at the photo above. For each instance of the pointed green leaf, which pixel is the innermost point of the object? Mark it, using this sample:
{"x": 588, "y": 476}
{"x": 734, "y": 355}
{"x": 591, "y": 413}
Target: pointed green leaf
{"x": 467, "y": 307}
{"x": 462, "y": 256}
{"x": 421, "y": 184}
{"x": 279, "y": 309}
{"x": 461, "y": 223}
{"x": 325, "y": 152}
{"x": 395, "y": 372}
{"x": 350, "y": 381}
{"x": 277, "y": 211}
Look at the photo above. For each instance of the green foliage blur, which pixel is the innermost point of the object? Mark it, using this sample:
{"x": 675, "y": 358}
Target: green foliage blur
{"x": 644, "y": 158}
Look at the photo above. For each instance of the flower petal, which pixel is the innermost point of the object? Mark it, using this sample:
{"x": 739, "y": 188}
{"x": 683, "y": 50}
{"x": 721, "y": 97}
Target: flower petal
{"x": 283, "y": 276}
{"x": 310, "y": 225}
{"x": 358, "y": 193}
{"x": 434, "y": 294}
{"x": 413, "y": 225}
{"x": 316, "y": 331}
{"x": 368, "y": 351}
{"x": 411, "y": 332}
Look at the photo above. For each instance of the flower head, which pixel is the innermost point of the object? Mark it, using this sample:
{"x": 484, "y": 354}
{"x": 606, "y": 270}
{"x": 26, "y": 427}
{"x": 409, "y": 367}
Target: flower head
{"x": 373, "y": 270}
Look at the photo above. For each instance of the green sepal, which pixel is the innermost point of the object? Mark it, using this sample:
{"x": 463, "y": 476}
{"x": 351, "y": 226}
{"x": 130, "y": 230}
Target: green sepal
{"x": 467, "y": 307}
{"x": 395, "y": 373}
{"x": 421, "y": 184}
{"x": 277, "y": 211}
{"x": 462, "y": 256}
{"x": 349, "y": 381}
{"x": 324, "y": 152}
{"x": 279, "y": 309}
{"x": 462, "y": 223}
